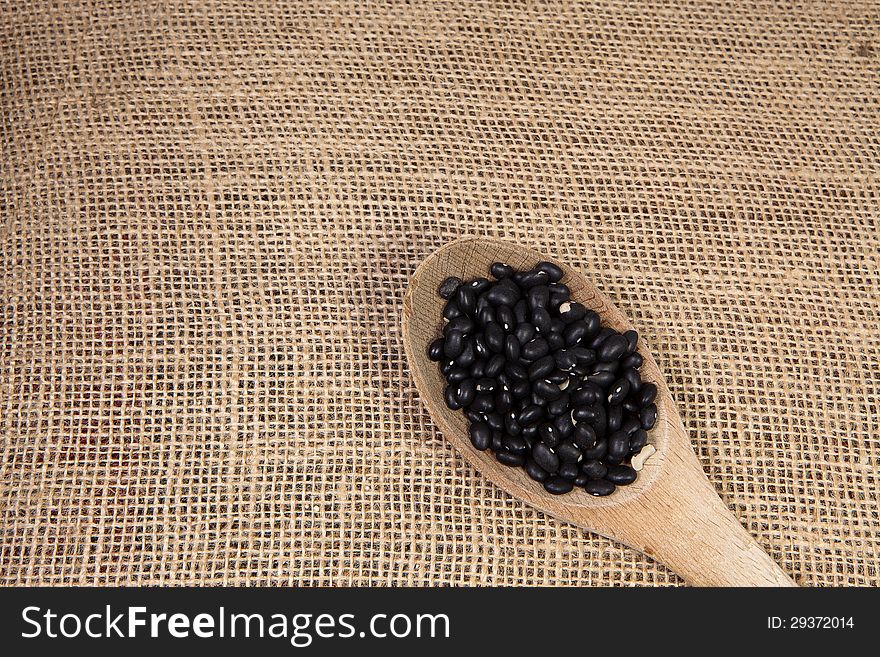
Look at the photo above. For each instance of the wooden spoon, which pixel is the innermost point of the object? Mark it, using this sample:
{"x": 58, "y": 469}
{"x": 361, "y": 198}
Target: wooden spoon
{"x": 671, "y": 512}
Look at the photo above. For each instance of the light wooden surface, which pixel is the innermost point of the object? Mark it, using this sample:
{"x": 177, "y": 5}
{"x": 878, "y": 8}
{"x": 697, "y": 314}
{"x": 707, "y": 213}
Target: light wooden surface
{"x": 671, "y": 512}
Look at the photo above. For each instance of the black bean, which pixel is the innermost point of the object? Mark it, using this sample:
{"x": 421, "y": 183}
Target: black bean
{"x": 515, "y": 444}
{"x": 473, "y": 416}
{"x": 600, "y": 337}
{"x": 446, "y": 366}
{"x": 451, "y": 398}
{"x": 585, "y": 413}
{"x": 565, "y": 360}
{"x": 634, "y": 361}
{"x": 630, "y": 425}
{"x": 594, "y": 469}
{"x": 525, "y": 333}
{"x": 538, "y": 296}
{"x": 569, "y": 471}
{"x": 481, "y": 435}
{"x": 533, "y": 278}
{"x": 511, "y": 348}
{"x": 618, "y": 391}
{"x": 541, "y": 320}
{"x": 597, "y": 451}
{"x": 631, "y": 406}
{"x": 511, "y": 426}
{"x": 461, "y": 324}
{"x": 635, "y": 381}
{"x": 537, "y": 400}
{"x": 453, "y": 345}
{"x": 506, "y": 318}
{"x": 615, "y": 417}
{"x": 581, "y": 480}
{"x": 516, "y": 371}
{"x": 648, "y": 416}
{"x": 497, "y": 443}
{"x": 557, "y": 377}
{"x": 467, "y": 300}
{"x": 531, "y": 415}
{"x": 537, "y": 348}
{"x": 637, "y": 440}
{"x": 435, "y": 350}
{"x": 479, "y": 285}
{"x": 586, "y": 395}
{"x": 575, "y": 332}
{"x": 632, "y": 340}
{"x": 521, "y": 311}
{"x": 602, "y": 379}
{"x": 621, "y": 475}
{"x": 618, "y": 447}
{"x": 593, "y": 322}
{"x": 486, "y": 385}
{"x": 600, "y": 422}
{"x": 559, "y": 406}
{"x": 530, "y": 434}
{"x": 555, "y": 340}
{"x": 468, "y": 354}
{"x": 494, "y": 366}
{"x": 500, "y": 270}
{"x": 584, "y": 435}
{"x": 521, "y": 389}
{"x": 548, "y": 434}
{"x": 541, "y": 367}
{"x": 599, "y": 487}
{"x": 503, "y": 401}
{"x": 546, "y": 390}
{"x": 606, "y": 366}
{"x": 510, "y": 459}
{"x": 535, "y": 471}
{"x": 612, "y": 348}
{"x": 564, "y": 425}
{"x": 647, "y": 394}
{"x": 558, "y": 486}
{"x": 483, "y": 403}
{"x": 449, "y": 287}
{"x": 553, "y": 272}
{"x": 467, "y": 391}
{"x": 495, "y": 337}
{"x": 478, "y": 369}
{"x": 495, "y": 421}
{"x": 480, "y": 347}
{"x": 486, "y": 316}
{"x": 501, "y": 294}
{"x": 545, "y": 457}
{"x": 568, "y": 452}
{"x": 573, "y": 313}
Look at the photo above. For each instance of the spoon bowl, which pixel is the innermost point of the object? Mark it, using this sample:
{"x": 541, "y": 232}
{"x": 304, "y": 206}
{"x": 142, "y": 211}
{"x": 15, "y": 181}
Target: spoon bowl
{"x": 671, "y": 511}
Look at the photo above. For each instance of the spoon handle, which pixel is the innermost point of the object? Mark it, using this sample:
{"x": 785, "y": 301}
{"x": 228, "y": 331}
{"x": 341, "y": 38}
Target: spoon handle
{"x": 683, "y": 523}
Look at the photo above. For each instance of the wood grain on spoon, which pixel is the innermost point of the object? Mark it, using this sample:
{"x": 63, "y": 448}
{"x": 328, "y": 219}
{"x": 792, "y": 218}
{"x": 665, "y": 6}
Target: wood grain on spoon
{"x": 671, "y": 512}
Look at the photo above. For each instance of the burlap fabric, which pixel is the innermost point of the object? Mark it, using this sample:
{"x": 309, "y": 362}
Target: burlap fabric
{"x": 210, "y": 211}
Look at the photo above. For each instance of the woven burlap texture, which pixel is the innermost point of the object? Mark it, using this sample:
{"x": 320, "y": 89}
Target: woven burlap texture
{"x": 210, "y": 212}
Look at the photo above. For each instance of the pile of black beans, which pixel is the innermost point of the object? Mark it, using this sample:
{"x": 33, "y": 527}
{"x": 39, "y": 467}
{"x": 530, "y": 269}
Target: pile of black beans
{"x": 545, "y": 386}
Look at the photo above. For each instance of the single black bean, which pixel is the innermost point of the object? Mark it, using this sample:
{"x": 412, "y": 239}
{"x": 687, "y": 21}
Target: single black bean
{"x": 541, "y": 320}
{"x": 510, "y": 459}
{"x": 557, "y": 377}
{"x": 632, "y": 340}
{"x": 497, "y": 443}
{"x": 525, "y": 333}
{"x": 516, "y": 371}
{"x": 535, "y": 471}
{"x": 597, "y": 451}
{"x": 638, "y": 440}
{"x": 478, "y": 369}
{"x": 453, "y": 345}
{"x": 500, "y": 270}
{"x": 612, "y": 348}
{"x": 473, "y": 416}
{"x": 541, "y": 367}
{"x": 480, "y": 347}
{"x": 467, "y": 391}
{"x": 648, "y": 416}
{"x": 503, "y": 401}
{"x": 621, "y": 475}
{"x": 446, "y": 366}
{"x": 594, "y": 469}
{"x": 521, "y": 311}
{"x": 568, "y": 452}
{"x": 565, "y": 360}
{"x": 602, "y": 379}
{"x": 634, "y": 361}
{"x": 584, "y": 435}
{"x": 548, "y": 434}
{"x": 479, "y": 285}
{"x": 600, "y": 422}
{"x": 555, "y": 340}
{"x": 486, "y": 316}
{"x": 521, "y": 389}
{"x": 593, "y": 322}
{"x": 600, "y": 337}
{"x": 483, "y": 403}
{"x": 586, "y": 394}
{"x": 546, "y": 390}
{"x": 495, "y": 421}
{"x": 557, "y": 485}
{"x": 495, "y": 366}
{"x": 554, "y": 273}
{"x": 647, "y": 394}
{"x": 545, "y": 457}
{"x": 618, "y": 447}
{"x": 615, "y": 417}
{"x": 581, "y": 480}
{"x": 461, "y": 324}
{"x": 511, "y": 426}
{"x": 451, "y": 397}
{"x": 559, "y": 406}
{"x": 515, "y": 444}
{"x": 511, "y": 348}
{"x": 537, "y": 400}
{"x": 631, "y": 406}
{"x": 468, "y": 354}
{"x": 506, "y": 318}
{"x": 538, "y": 296}
{"x": 575, "y": 332}
{"x": 530, "y": 434}
{"x": 501, "y": 294}
{"x": 564, "y": 425}
{"x": 618, "y": 391}
{"x": 494, "y": 337}
{"x": 573, "y": 312}
{"x": 481, "y": 435}
{"x": 635, "y": 380}
{"x": 599, "y": 487}
{"x": 537, "y": 348}
{"x": 435, "y": 350}
{"x": 606, "y": 366}
{"x": 467, "y": 299}
{"x": 486, "y": 385}
{"x": 531, "y": 415}
{"x": 630, "y": 425}
{"x": 569, "y": 471}
{"x": 585, "y": 413}
{"x": 533, "y": 278}
{"x": 449, "y": 287}
{"x": 557, "y": 326}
